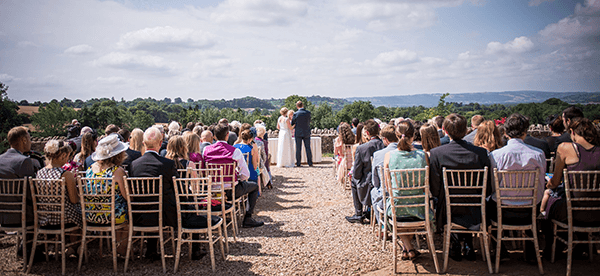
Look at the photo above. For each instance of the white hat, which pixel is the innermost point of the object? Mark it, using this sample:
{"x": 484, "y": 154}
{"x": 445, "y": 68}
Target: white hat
{"x": 108, "y": 147}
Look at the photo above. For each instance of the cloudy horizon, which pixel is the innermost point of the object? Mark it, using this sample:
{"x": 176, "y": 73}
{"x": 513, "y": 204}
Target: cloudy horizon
{"x": 275, "y": 48}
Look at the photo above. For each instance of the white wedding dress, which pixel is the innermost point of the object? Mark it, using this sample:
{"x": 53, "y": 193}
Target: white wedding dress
{"x": 285, "y": 146}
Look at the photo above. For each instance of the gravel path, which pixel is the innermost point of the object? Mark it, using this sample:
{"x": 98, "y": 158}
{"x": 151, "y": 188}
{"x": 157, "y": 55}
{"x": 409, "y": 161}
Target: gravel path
{"x": 305, "y": 234}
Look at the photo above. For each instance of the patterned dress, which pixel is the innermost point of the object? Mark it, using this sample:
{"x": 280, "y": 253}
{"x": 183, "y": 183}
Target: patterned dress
{"x": 120, "y": 202}
{"x": 401, "y": 160}
{"x": 72, "y": 211}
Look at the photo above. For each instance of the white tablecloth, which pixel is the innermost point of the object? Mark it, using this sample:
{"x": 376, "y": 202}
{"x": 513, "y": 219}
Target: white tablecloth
{"x": 315, "y": 148}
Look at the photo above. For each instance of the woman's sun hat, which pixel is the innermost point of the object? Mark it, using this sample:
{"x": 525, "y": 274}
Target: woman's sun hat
{"x": 108, "y": 147}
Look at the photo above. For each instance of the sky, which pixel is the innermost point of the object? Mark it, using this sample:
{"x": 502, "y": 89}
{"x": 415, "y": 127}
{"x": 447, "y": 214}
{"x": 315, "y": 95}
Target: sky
{"x": 82, "y": 49}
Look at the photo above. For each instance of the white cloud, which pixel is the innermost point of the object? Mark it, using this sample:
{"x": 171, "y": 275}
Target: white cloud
{"x": 81, "y": 49}
{"x": 535, "y": 3}
{"x": 259, "y": 12}
{"x": 166, "y": 38}
{"x": 395, "y": 58}
{"x": 583, "y": 27}
{"x": 25, "y": 44}
{"x": 7, "y": 78}
{"x": 112, "y": 80}
{"x": 348, "y": 35}
{"x": 133, "y": 62}
{"x": 519, "y": 45}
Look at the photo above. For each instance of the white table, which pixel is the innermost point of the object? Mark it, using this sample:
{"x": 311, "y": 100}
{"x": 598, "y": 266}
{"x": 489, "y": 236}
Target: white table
{"x": 315, "y": 148}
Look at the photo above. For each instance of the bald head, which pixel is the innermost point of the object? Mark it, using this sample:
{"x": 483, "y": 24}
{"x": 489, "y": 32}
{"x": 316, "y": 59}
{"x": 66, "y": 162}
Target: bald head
{"x": 206, "y": 136}
{"x": 152, "y": 138}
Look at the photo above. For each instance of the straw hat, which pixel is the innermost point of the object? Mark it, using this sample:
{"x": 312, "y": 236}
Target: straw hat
{"x": 108, "y": 147}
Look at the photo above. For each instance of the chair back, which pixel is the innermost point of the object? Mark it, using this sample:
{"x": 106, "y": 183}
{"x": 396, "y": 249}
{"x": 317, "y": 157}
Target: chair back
{"x": 215, "y": 174}
{"x": 145, "y": 196}
{"x": 182, "y": 173}
{"x": 97, "y": 200}
{"x": 582, "y": 189}
{"x": 408, "y": 188}
{"x": 48, "y": 199}
{"x": 13, "y": 198}
{"x": 465, "y": 188}
{"x": 228, "y": 172}
{"x": 516, "y": 190}
{"x": 190, "y": 193}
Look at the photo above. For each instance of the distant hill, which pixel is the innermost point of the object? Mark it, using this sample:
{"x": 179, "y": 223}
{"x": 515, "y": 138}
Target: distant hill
{"x": 486, "y": 98}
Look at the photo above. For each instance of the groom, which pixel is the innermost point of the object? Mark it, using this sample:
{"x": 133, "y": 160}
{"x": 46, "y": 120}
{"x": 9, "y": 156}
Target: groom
{"x": 301, "y": 121}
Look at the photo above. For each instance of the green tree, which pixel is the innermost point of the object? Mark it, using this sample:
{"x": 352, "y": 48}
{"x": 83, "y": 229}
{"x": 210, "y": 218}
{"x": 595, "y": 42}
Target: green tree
{"x": 358, "y": 109}
{"x": 9, "y": 115}
{"x": 290, "y": 103}
{"x": 53, "y": 119}
{"x": 142, "y": 120}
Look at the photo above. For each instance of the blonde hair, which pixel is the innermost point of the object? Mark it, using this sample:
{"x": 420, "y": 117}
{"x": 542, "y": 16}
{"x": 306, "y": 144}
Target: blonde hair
{"x": 290, "y": 112}
{"x": 488, "y": 136}
{"x": 177, "y": 149}
{"x": 55, "y": 149}
{"x": 193, "y": 141}
{"x": 283, "y": 111}
{"x": 136, "y": 140}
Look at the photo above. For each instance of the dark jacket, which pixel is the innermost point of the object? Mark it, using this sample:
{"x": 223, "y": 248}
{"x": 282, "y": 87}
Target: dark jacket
{"x": 14, "y": 165}
{"x": 538, "y": 143}
{"x": 152, "y": 165}
{"x": 361, "y": 172}
{"x": 301, "y": 120}
{"x": 460, "y": 155}
{"x": 131, "y": 155}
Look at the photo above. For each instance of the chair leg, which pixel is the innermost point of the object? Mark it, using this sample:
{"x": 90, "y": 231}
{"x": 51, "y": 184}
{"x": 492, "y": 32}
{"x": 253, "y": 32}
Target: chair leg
{"x": 498, "y": 247}
{"x": 221, "y": 242}
{"x": 432, "y": 250}
{"x": 34, "y": 244}
{"x": 554, "y": 244}
{"x": 446, "y": 248}
{"x": 162, "y": 249}
{"x": 395, "y": 255}
{"x": 62, "y": 252}
{"x": 178, "y": 252}
{"x": 224, "y": 233}
{"x": 24, "y": 242}
{"x": 418, "y": 242}
{"x": 114, "y": 249}
{"x": 83, "y": 249}
{"x": 211, "y": 247}
{"x": 590, "y": 244}
{"x": 569, "y": 252}
{"x": 537, "y": 251}
{"x": 486, "y": 251}
{"x": 128, "y": 254}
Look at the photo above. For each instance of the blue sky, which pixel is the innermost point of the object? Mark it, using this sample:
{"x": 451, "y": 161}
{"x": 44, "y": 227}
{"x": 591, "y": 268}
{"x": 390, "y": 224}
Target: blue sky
{"x": 276, "y": 48}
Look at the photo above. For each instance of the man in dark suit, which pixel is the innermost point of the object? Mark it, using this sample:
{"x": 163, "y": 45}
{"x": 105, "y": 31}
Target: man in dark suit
{"x": 151, "y": 164}
{"x": 361, "y": 177}
{"x": 131, "y": 153}
{"x": 458, "y": 154}
{"x": 301, "y": 120}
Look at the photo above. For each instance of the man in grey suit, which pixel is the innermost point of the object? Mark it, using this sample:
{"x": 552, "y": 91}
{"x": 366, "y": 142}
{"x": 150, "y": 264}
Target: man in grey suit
{"x": 390, "y": 140}
{"x": 301, "y": 121}
{"x": 361, "y": 172}
{"x": 206, "y": 138}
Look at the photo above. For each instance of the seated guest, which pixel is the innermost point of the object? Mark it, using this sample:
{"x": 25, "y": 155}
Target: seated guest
{"x": 198, "y": 130}
{"x": 220, "y": 152}
{"x": 109, "y": 156}
{"x": 192, "y": 142}
{"x": 462, "y": 155}
{"x": 57, "y": 153}
{"x": 77, "y": 139}
{"x": 517, "y": 156}
{"x": 89, "y": 141}
{"x": 488, "y": 136}
{"x": 355, "y": 123}
{"x": 429, "y": 137}
{"x": 165, "y": 141}
{"x": 569, "y": 114}
{"x": 246, "y": 146}
{"x": 438, "y": 121}
{"x": 557, "y": 128}
{"x": 583, "y": 154}
{"x": 174, "y": 129}
{"x": 177, "y": 151}
{"x": 261, "y": 153}
{"x": 345, "y": 138}
{"x": 136, "y": 141}
{"x": 131, "y": 153}
{"x": 361, "y": 171}
{"x": 243, "y": 127}
{"x": 406, "y": 157}
{"x": 71, "y": 165}
{"x": 417, "y": 139}
{"x": 206, "y": 138}
{"x": 151, "y": 164}
{"x": 234, "y": 131}
{"x": 261, "y": 137}
{"x": 13, "y": 165}
{"x": 390, "y": 141}
{"x": 475, "y": 121}
{"x": 110, "y": 129}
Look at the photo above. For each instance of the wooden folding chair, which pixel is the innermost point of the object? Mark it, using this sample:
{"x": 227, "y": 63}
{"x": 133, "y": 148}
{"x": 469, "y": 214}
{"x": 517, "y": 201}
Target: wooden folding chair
{"x": 465, "y": 188}
{"x": 516, "y": 190}
{"x": 145, "y": 196}
{"x": 49, "y": 196}
{"x": 13, "y": 202}
{"x": 95, "y": 194}
{"x": 182, "y": 173}
{"x": 416, "y": 183}
{"x": 582, "y": 189}
{"x": 229, "y": 176}
{"x": 190, "y": 193}
{"x": 218, "y": 191}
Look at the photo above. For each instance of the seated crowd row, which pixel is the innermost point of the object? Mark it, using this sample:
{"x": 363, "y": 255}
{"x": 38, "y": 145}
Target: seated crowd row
{"x": 365, "y": 150}
{"x": 118, "y": 155}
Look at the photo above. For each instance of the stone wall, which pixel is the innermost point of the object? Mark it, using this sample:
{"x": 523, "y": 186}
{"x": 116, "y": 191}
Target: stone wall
{"x": 38, "y": 143}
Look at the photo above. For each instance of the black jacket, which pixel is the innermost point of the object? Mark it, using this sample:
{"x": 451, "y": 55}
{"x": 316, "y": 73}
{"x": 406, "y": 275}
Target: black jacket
{"x": 301, "y": 120}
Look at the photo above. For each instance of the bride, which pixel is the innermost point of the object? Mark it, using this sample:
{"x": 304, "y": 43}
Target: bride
{"x": 285, "y": 158}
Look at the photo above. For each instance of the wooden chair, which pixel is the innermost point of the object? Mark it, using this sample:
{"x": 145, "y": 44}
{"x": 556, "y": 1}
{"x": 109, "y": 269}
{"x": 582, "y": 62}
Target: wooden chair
{"x": 182, "y": 173}
{"x": 516, "y": 190}
{"x": 95, "y": 194}
{"x": 415, "y": 181}
{"x": 465, "y": 188}
{"x": 189, "y": 194}
{"x": 49, "y": 196}
{"x": 145, "y": 196}
{"x": 13, "y": 201}
{"x": 582, "y": 189}
{"x": 550, "y": 165}
{"x": 218, "y": 191}
{"x": 229, "y": 182}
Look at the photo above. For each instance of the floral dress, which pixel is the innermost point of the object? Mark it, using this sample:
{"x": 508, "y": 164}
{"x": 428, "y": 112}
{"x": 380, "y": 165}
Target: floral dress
{"x": 120, "y": 202}
{"x": 72, "y": 211}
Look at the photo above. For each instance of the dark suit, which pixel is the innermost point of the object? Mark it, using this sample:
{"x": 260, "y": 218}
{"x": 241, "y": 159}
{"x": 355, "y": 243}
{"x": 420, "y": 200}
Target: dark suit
{"x": 301, "y": 120}
{"x": 456, "y": 155}
{"x": 538, "y": 143}
{"x": 444, "y": 140}
{"x": 14, "y": 165}
{"x": 565, "y": 137}
{"x": 361, "y": 174}
{"x": 131, "y": 156}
